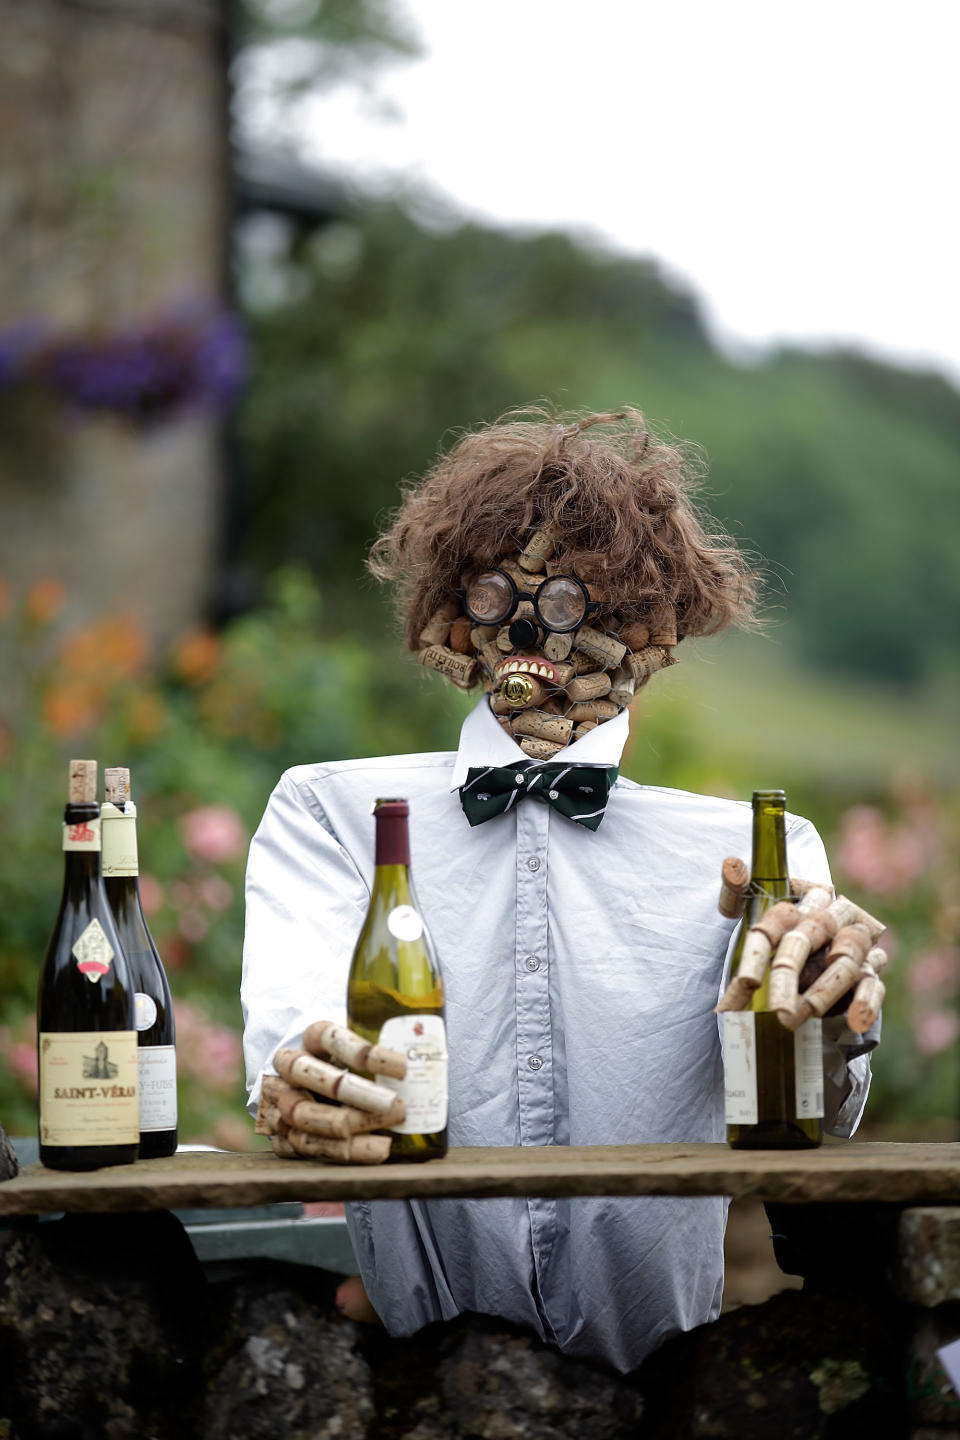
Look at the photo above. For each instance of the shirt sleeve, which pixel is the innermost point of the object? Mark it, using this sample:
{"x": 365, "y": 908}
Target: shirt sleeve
{"x": 305, "y": 904}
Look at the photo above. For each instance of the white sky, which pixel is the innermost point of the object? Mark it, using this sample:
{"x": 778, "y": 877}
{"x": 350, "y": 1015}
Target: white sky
{"x": 797, "y": 164}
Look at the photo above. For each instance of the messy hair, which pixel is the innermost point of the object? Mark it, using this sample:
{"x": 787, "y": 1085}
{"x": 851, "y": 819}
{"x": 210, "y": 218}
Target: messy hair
{"x": 604, "y": 486}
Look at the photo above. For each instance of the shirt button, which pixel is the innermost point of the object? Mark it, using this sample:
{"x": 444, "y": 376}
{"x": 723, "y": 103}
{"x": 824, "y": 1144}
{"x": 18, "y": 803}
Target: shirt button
{"x": 533, "y": 863}
{"x": 535, "y": 1062}
{"x": 532, "y": 963}
{"x": 518, "y": 779}
{"x": 554, "y": 794}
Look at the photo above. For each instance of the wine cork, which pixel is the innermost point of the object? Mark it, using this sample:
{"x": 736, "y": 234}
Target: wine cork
{"x": 490, "y": 656}
{"x": 754, "y": 956}
{"x": 359, "y": 1150}
{"x": 811, "y": 932}
{"x": 865, "y": 1005}
{"x": 460, "y": 639}
{"x": 852, "y": 941}
{"x": 663, "y": 630}
{"x": 282, "y": 1148}
{"x": 775, "y": 922}
{"x": 323, "y": 1038}
{"x": 641, "y": 664}
{"x": 591, "y": 710}
{"x": 800, "y": 888}
{"x": 82, "y": 782}
{"x": 583, "y": 664}
{"x": 812, "y": 897}
{"x": 847, "y": 913}
{"x": 558, "y": 647}
{"x": 299, "y": 1068}
{"x": 622, "y": 687}
{"x": 784, "y": 989}
{"x": 504, "y": 643}
{"x": 605, "y": 648}
{"x": 734, "y": 882}
{"x": 737, "y": 996}
{"x": 116, "y": 785}
{"x": 554, "y": 704}
{"x": 835, "y": 981}
{"x": 583, "y": 728}
{"x": 541, "y": 726}
{"x": 635, "y": 635}
{"x": 588, "y": 687}
{"x": 537, "y": 551}
{"x": 539, "y": 749}
{"x": 437, "y": 628}
{"x": 877, "y": 960}
{"x": 481, "y": 633}
{"x": 461, "y": 669}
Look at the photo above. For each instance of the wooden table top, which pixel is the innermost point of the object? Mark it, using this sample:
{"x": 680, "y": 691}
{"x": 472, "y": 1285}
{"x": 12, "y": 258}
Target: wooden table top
{"x": 924, "y": 1173}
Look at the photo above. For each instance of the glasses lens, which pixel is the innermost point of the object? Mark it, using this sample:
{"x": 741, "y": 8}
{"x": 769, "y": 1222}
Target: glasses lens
{"x": 489, "y": 598}
{"x": 560, "y": 603}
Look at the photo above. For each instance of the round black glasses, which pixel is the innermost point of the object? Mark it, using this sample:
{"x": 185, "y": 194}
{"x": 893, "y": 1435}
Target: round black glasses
{"x": 561, "y": 602}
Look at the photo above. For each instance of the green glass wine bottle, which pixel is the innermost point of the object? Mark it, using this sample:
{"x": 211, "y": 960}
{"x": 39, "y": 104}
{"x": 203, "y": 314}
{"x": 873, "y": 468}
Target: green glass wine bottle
{"x": 395, "y": 990}
{"x": 773, "y": 1077}
{"x": 86, "y": 1038}
{"x": 153, "y": 1007}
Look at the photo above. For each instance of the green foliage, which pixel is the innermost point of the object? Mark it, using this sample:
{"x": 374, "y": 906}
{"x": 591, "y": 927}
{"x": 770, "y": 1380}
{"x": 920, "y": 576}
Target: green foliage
{"x": 207, "y": 731}
{"x": 841, "y": 471}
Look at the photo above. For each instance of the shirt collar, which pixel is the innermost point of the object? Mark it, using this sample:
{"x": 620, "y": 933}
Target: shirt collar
{"x": 484, "y": 742}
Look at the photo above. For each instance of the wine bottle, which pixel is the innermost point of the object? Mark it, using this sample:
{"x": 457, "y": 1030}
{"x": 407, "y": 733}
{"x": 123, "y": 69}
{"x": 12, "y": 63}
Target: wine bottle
{"x": 395, "y": 990}
{"x": 153, "y": 1007}
{"x": 86, "y": 1038}
{"x": 773, "y": 1076}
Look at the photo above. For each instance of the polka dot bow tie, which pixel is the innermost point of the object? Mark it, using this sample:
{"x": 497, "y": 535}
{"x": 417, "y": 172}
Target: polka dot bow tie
{"x": 577, "y": 791}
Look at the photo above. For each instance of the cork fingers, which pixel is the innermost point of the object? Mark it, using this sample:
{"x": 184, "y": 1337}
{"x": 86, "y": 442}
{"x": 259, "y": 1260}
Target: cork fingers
{"x": 811, "y": 950}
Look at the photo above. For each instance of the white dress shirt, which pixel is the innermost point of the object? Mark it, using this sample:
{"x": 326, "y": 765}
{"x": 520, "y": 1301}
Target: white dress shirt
{"x": 581, "y": 970}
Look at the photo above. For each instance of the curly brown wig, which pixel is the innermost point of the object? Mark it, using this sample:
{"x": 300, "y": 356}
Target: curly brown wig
{"x": 604, "y": 486}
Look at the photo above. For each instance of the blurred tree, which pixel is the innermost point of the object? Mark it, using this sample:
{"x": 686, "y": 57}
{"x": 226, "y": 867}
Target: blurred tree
{"x": 389, "y": 331}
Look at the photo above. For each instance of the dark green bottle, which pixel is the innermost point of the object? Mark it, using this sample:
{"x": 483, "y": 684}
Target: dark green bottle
{"x": 773, "y": 1076}
{"x": 86, "y": 1038}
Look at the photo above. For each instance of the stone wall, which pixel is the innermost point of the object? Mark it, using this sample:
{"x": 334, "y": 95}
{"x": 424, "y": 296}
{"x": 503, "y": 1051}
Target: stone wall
{"x": 113, "y": 208}
{"x": 109, "y": 1326}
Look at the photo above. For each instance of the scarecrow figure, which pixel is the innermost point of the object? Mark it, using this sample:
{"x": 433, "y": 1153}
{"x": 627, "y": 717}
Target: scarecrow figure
{"x": 574, "y": 911}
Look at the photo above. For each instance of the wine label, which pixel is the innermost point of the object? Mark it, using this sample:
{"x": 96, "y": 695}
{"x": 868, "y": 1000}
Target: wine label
{"x": 88, "y": 1088}
{"x": 404, "y": 923}
{"x": 808, "y": 1069}
{"x": 158, "y": 1086}
{"x": 144, "y": 1011}
{"x": 93, "y": 952}
{"x": 83, "y": 836}
{"x": 119, "y": 841}
{"x": 423, "y": 1040}
{"x": 740, "y": 1067}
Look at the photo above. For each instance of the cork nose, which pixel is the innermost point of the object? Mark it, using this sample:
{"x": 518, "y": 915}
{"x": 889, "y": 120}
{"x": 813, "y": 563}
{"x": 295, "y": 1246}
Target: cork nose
{"x": 524, "y": 634}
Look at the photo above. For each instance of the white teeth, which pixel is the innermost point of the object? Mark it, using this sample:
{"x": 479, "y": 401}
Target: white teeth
{"x": 543, "y": 671}
{"x": 523, "y": 666}
{"x": 513, "y": 667}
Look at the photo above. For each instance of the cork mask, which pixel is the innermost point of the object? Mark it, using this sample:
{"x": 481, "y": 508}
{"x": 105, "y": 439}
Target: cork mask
{"x": 554, "y": 659}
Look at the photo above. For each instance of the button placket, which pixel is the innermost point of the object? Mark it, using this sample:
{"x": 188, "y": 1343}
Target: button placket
{"x": 534, "y": 1082}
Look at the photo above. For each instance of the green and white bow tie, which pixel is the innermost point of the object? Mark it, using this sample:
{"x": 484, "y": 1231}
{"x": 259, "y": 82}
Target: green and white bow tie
{"x": 578, "y": 791}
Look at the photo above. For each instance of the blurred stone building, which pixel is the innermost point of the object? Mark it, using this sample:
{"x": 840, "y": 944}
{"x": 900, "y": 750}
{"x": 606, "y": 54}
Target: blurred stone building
{"x": 114, "y": 209}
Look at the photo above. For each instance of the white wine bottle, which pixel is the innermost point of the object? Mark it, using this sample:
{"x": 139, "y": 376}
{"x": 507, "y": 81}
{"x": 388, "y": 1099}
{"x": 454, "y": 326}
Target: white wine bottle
{"x": 86, "y": 1038}
{"x": 773, "y": 1077}
{"x": 395, "y": 990}
{"x": 153, "y": 1007}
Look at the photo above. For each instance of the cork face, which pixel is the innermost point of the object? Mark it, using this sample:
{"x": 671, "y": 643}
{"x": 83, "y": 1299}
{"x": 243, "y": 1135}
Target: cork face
{"x": 552, "y": 654}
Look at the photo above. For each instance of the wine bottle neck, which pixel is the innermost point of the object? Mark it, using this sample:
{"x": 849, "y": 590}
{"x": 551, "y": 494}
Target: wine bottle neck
{"x": 769, "y": 862}
{"x": 393, "y": 837}
{"x": 119, "y": 840}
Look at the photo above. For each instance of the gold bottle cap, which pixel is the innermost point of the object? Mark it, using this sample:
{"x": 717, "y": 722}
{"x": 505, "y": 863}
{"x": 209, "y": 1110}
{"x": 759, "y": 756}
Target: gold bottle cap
{"x": 82, "y": 782}
{"x": 517, "y": 690}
